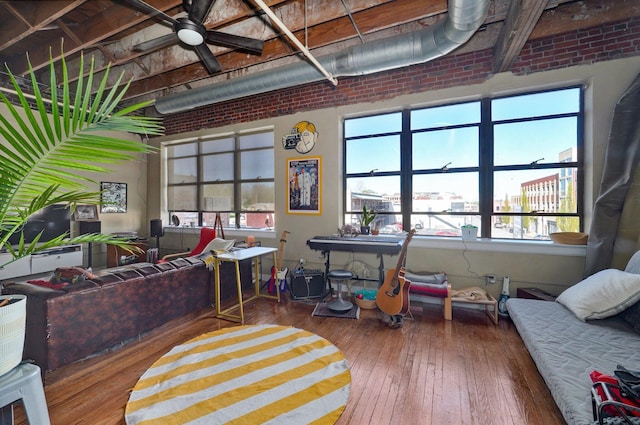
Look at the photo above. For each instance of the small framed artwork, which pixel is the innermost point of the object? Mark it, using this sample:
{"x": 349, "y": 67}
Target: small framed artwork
{"x": 305, "y": 186}
{"x": 85, "y": 213}
{"x": 113, "y": 197}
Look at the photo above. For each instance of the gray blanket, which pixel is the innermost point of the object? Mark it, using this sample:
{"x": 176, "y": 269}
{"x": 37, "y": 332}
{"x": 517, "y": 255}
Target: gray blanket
{"x": 566, "y": 350}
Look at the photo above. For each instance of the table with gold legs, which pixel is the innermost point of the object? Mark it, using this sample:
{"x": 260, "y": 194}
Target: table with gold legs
{"x": 236, "y": 257}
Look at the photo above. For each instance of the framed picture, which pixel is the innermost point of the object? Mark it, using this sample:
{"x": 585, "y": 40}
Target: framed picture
{"x": 113, "y": 197}
{"x": 305, "y": 186}
{"x": 85, "y": 213}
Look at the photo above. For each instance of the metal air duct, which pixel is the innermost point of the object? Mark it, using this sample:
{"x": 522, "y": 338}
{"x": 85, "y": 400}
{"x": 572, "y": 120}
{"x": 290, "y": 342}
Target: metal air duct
{"x": 463, "y": 20}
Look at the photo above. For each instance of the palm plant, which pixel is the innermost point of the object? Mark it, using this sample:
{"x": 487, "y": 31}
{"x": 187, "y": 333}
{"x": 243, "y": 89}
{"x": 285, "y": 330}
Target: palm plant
{"x": 49, "y": 154}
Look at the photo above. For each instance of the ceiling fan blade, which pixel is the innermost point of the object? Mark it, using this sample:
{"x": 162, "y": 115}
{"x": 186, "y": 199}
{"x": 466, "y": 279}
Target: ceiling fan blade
{"x": 152, "y": 11}
{"x": 208, "y": 59}
{"x": 198, "y": 9}
{"x": 251, "y": 45}
{"x": 156, "y": 43}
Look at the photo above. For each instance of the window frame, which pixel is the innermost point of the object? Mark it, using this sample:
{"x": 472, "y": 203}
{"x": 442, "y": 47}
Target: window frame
{"x": 485, "y": 168}
{"x": 237, "y": 180}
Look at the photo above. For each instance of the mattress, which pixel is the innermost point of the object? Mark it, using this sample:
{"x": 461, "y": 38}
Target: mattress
{"x": 566, "y": 350}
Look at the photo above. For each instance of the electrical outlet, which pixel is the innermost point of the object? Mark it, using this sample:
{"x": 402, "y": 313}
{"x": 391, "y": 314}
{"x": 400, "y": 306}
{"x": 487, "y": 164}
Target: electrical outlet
{"x": 491, "y": 279}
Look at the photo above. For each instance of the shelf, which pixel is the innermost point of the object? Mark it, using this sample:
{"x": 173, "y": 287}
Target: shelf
{"x": 41, "y": 262}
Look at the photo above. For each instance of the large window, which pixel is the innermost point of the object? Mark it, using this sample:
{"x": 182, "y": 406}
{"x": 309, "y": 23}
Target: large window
{"x": 512, "y": 166}
{"x": 232, "y": 176}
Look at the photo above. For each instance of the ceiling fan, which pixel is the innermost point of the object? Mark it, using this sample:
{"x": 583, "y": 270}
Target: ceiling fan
{"x": 191, "y": 32}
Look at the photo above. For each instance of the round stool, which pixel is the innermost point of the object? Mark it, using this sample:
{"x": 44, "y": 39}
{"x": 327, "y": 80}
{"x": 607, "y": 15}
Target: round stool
{"x": 339, "y": 304}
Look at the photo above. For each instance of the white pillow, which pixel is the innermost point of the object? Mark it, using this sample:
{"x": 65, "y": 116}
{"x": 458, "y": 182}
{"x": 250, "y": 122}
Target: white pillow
{"x": 601, "y": 295}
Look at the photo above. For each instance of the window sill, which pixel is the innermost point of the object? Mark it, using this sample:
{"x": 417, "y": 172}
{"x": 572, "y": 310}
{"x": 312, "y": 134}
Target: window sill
{"x": 228, "y": 233}
{"x": 502, "y": 245}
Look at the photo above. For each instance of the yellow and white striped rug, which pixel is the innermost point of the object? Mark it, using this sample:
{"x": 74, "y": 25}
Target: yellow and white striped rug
{"x": 256, "y": 374}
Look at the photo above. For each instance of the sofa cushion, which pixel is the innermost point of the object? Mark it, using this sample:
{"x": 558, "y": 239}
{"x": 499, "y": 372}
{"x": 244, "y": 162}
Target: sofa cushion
{"x": 602, "y": 295}
{"x": 148, "y": 270}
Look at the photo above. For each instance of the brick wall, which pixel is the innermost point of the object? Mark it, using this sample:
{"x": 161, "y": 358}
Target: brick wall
{"x": 606, "y": 42}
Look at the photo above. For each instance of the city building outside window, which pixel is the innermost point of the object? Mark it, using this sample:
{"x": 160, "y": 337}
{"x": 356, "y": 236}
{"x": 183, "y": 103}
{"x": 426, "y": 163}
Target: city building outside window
{"x": 231, "y": 177}
{"x": 511, "y": 166}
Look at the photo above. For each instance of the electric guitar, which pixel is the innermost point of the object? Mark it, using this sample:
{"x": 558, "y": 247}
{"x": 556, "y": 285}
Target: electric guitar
{"x": 277, "y": 272}
{"x": 393, "y": 296}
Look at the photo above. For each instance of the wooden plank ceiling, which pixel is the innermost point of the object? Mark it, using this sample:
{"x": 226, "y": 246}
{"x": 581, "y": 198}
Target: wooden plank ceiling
{"x": 108, "y": 30}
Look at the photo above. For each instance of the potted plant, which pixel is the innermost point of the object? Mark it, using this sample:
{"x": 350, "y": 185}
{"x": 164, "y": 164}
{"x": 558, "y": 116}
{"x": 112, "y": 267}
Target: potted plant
{"x": 365, "y": 220}
{"x": 50, "y": 148}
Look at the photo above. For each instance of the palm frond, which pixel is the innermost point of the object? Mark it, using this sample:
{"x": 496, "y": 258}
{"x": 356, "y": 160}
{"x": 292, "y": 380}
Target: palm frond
{"x": 49, "y": 157}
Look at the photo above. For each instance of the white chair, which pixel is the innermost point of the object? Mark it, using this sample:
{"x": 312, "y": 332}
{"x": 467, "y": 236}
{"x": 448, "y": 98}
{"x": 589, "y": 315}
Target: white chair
{"x": 23, "y": 382}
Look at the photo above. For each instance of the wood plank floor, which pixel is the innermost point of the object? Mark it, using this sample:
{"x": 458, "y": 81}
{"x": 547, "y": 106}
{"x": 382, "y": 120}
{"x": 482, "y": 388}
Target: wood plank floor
{"x": 431, "y": 371}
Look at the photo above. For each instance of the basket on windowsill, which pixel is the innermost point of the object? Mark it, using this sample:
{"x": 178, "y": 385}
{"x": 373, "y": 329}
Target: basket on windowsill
{"x": 368, "y": 300}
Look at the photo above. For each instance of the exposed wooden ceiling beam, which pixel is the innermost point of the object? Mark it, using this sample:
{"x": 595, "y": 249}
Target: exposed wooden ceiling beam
{"x": 43, "y": 15}
{"x": 522, "y": 17}
{"x": 584, "y": 14}
{"x": 98, "y": 28}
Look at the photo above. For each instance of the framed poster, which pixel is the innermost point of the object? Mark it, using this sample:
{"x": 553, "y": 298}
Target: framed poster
{"x": 85, "y": 213}
{"x": 305, "y": 186}
{"x": 113, "y": 197}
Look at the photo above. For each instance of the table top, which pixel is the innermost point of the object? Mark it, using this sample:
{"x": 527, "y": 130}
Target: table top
{"x": 245, "y": 254}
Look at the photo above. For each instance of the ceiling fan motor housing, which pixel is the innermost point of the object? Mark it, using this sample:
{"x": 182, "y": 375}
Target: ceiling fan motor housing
{"x": 189, "y": 32}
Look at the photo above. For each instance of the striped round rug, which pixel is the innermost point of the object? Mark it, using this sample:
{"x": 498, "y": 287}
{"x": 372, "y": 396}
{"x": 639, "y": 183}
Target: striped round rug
{"x": 256, "y": 374}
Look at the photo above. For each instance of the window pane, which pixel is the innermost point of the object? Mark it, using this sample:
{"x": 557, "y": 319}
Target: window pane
{"x": 217, "y": 167}
{"x": 187, "y": 219}
{"x": 535, "y": 190}
{"x": 209, "y": 219}
{"x": 182, "y": 170}
{"x": 257, "y": 164}
{"x": 260, "y": 196}
{"x": 375, "y": 153}
{"x": 456, "y": 192}
{"x": 217, "y": 197}
{"x": 453, "y": 148}
{"x": 258, "y": 221}
{"x": 373, "y": 189}
{"x": 442, "y": 116}
{"x": 385, "y": 223}
{"x": 184, "y": 149}
{"x": 536, "y": 104}
{"x": 532, "y": 227}
{"x": 544, "y": 141}
{"x": 182, "y": 198}
{"x": 377, "y": 124}
{"x": 217, "y": 145}
{"x": 384, "y": 206}
{"x": 258, "y": 140}
{"x": 443, "y": 225}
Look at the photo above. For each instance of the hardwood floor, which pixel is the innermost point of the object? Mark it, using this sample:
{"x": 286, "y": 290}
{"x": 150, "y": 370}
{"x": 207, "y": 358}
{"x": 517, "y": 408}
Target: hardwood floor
{"x": 431, "y": 371}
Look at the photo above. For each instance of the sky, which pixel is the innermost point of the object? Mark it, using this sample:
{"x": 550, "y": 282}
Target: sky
{"x": 514, "y": 143}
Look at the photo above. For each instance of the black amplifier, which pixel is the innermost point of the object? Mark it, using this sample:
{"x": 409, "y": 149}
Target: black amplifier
{"x": 307, "y": 284}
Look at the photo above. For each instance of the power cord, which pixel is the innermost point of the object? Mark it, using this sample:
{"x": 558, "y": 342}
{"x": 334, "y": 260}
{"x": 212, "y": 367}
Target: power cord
{"x": 464, "y": 255}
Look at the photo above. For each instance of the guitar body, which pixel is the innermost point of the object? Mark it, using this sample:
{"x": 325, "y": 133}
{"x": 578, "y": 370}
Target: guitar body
{"x": 272, "y": 281}
{"x": 393, "y": 296}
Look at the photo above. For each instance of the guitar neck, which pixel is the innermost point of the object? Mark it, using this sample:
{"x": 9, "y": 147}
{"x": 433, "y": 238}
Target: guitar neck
{"x": 403, "y": 255}
{"x": 283, "y": 239}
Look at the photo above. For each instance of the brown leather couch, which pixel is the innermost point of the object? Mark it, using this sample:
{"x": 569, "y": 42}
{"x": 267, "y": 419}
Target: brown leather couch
{"x": 121, "y": 303}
